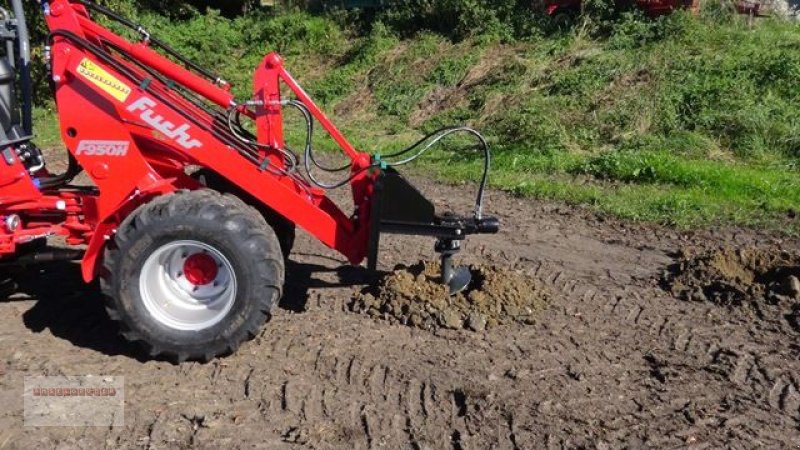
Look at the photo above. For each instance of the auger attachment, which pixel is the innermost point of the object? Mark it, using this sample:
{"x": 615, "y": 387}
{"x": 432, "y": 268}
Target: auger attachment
{"x": 399, "y": 208}
{"x": 458, "y": 278}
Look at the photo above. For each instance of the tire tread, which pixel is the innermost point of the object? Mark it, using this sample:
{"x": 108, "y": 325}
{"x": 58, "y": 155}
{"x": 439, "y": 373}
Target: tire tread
{"x": 242, "y": 220}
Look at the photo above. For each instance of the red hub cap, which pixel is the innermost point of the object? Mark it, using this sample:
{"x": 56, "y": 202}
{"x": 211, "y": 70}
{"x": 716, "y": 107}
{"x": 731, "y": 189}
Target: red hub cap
{"x": 200, "y": 269}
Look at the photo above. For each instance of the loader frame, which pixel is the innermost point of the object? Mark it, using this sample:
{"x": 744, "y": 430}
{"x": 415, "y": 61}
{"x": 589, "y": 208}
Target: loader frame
{"x": 135, "y": 120}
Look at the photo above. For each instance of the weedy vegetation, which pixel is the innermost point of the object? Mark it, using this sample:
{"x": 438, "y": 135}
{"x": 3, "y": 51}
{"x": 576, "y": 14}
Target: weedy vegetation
{"x": 689, "y": 120}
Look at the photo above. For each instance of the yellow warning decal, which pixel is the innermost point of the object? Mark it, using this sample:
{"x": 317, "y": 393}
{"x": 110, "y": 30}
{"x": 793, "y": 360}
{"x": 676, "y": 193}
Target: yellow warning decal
{"x": 104, "y": 80}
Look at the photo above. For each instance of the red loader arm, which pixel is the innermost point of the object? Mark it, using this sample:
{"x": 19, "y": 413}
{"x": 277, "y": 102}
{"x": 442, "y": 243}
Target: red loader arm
{"x": 128, "y": 116}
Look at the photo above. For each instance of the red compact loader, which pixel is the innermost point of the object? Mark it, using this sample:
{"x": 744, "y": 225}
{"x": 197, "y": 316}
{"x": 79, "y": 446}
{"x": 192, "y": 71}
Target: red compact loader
{"x": 189, "y": 216}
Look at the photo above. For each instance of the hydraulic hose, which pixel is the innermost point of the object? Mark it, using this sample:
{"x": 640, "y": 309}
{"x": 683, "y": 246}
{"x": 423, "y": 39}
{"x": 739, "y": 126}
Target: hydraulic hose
{"x": 418, "y": 149}
{"x": 433, "y": 139}
{"x": 152, "y": 40}
{"x": 60, "y": 180}
{"x": 240, "y": 133}
{"x": 309, "y": 150}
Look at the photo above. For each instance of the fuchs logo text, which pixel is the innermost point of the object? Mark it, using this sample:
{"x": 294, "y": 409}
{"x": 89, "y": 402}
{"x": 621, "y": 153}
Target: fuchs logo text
{"x": 178, "y": 133}
{"x": 103, "y": 148}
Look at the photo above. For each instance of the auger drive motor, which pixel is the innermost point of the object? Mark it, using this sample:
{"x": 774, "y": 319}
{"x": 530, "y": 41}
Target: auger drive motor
{"x": 187, "y": 216}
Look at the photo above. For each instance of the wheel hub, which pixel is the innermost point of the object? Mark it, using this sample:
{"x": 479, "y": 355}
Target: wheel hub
{"x": 188, "y": 285}
{"x": 200, "y": 269}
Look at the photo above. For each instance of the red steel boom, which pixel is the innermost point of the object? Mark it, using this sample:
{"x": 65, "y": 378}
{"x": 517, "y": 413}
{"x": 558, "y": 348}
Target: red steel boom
{"x": 157, "y": 123}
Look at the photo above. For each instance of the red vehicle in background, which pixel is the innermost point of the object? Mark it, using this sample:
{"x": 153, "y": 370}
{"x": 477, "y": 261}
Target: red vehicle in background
{"x": 564, "y": 12}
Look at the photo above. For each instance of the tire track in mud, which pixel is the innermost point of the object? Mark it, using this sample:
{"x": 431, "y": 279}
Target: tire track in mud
{"x": 347, "y": 395}
{"x": 700, "y": 349}
{"x": 338, "y": 390}
{"x": 613, "y": 362}
{"x": 420, "y": 409}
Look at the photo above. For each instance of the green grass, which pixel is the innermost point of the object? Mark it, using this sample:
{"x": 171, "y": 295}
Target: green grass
{"x": 687, "y": 121}
{"x": 657, "y": 187}
{"x": 653, "y": 186}
{"x": 45, "y": 127}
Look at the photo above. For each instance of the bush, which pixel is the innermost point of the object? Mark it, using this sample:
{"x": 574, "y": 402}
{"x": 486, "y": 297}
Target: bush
{"x": 458, "y": 19}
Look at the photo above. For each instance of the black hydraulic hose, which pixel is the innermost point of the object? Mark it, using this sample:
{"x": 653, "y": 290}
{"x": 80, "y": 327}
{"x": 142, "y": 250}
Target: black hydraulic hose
{"x": 109, "y": 13}
{"x": 308, "y": 157}
{"x": 309, "y": 149}
{"x": 290, "y": 157}
{"x": 424, "y": 139}
{"x": 434, "y": 138}
{"x": 235, "y": 126}
{"x": 422, "y": 146}
{"x": 221, "y": 130}
{"x": 157, "y": 42}
{"x": 60, "y": 180}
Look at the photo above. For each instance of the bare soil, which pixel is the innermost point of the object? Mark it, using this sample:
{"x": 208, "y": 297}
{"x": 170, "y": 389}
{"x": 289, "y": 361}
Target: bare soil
{"x": 415, "y": 296}
{"x": 733, "y": 277}
{"x": 612, "y": 359}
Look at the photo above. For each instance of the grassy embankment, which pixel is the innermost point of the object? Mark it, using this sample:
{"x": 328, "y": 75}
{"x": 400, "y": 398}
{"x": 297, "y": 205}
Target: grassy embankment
{"x": 685, "y": 121}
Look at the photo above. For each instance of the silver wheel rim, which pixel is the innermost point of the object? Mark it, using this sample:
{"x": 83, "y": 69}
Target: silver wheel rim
{"x": 175, "y": 301}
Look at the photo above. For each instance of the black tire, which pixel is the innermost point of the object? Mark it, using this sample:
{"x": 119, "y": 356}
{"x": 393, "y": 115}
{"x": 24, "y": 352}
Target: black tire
{"x": 284, "y": 229}
{"x": 225, "y": 224}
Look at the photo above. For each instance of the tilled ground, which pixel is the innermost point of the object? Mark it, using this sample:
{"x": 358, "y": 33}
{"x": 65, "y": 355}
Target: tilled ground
{"x": 416, "y": 297}
{"x": 612, "y": 359}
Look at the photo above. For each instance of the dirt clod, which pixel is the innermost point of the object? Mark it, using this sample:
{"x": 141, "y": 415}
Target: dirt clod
{"x": 793, "y": 286}
{"x": 732, "y": 277}
{"x": 414, "y": 296}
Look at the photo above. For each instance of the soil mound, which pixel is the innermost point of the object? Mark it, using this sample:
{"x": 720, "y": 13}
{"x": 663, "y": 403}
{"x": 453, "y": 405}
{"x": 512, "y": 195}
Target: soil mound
{"x": 413, "y": 296}
{"x": 732, "y": 277}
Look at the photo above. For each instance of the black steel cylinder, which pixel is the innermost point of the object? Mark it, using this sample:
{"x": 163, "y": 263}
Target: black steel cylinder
{"x": 9, "y": 112}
